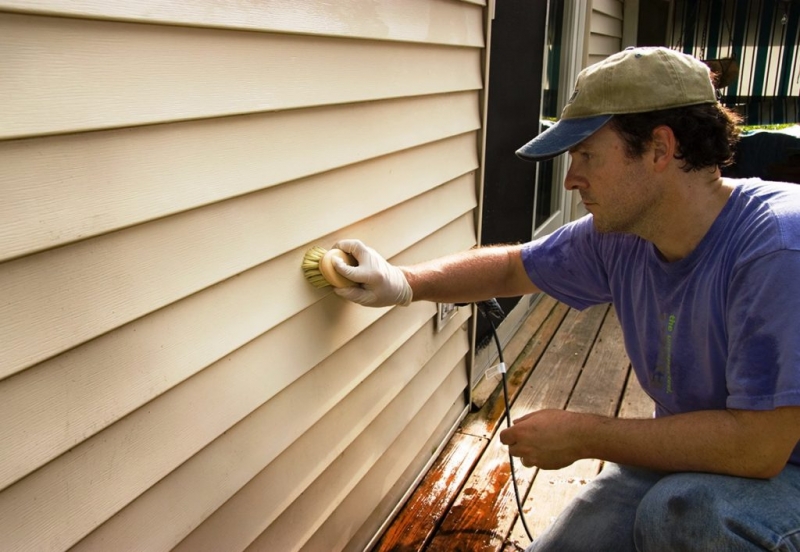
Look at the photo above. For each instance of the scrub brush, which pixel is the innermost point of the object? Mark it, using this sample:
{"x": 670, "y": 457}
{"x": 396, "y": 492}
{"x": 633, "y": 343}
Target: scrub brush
{"x": 318, "y": 267}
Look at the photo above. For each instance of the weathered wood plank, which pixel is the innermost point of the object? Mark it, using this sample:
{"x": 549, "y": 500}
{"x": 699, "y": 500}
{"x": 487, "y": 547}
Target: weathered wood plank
{"x": 514, "y": 351}
{"x": 551, "y": 491}
{"x": 484, "y": 422}
{"x": 552, "y": 380}
{"x": 598, "y": 391}
{"x": 635, "y": 402}
{"x": 384, "y": 513}
{"x": 603, "y": 378}
{"x": 414, "y": 526}
{"x": 485, "y": 510}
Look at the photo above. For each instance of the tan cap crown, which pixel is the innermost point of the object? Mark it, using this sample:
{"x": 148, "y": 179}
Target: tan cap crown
{"x": 638, "y": 80}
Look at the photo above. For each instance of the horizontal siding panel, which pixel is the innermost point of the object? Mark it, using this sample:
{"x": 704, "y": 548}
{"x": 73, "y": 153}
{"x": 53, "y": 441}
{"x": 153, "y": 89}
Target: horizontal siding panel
{"x": 64, "y": 297}
{"x": 430, "y": 21}
{"x": 354, "y": 513}
{"x": 603, "y": 46}
{"x": 169, "y": 510}
{"x": 61, "y": 502}
{"x": 54, "y": 406}
{"x": 613, "y": 8}
{"x": 70, "y": 75}
{"x": 203, "y": 483}
{"x": 89, "y": 184}
{"x": 606, "y": 25}
{"x": 64, "y": 500}
{"x": 446, "y": 371}
{"x": 50, "y": 509}
{"x": 592, "y": 59}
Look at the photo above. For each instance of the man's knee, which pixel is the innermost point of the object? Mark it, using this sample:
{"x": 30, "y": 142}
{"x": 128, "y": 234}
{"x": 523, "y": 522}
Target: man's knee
{"x": 694, "y": 511}
{"x": 679, "y": 513}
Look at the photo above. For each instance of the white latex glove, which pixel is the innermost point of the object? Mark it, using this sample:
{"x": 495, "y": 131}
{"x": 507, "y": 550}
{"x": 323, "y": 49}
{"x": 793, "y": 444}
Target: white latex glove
{"x": 380, "y": 283}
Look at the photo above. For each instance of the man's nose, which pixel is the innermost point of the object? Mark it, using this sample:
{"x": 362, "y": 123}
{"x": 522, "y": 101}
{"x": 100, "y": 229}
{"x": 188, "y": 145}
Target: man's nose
{"x": 572, "y": 181}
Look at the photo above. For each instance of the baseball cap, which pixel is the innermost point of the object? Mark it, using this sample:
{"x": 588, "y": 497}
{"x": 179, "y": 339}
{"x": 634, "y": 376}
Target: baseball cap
{"x": 636, "y": 80}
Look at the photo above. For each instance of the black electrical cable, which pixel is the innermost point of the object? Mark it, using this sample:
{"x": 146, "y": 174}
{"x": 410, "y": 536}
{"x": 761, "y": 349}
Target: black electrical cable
{"x": 490, "y": 309}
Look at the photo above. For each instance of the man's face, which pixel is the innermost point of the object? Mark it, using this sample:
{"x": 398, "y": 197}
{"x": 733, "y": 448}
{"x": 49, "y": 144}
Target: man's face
{"x": 615, "y": 189}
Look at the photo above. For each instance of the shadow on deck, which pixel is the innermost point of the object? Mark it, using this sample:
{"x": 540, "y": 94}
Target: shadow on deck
{"x": 565, "y": 359}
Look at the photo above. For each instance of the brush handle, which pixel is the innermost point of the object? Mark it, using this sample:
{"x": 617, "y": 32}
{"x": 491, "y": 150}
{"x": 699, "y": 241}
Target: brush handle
{"x": 329, "y": 272}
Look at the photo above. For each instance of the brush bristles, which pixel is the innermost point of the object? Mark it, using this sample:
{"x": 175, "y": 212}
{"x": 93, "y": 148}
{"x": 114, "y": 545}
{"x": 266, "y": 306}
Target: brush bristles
{"x": 311, "y": 267}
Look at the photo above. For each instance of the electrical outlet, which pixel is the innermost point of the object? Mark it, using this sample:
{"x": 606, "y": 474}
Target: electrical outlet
{"x": 444, "y": 312}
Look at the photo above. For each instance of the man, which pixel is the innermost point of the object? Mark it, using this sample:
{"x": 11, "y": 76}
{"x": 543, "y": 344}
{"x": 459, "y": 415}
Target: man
{"x": 704, "y": 274}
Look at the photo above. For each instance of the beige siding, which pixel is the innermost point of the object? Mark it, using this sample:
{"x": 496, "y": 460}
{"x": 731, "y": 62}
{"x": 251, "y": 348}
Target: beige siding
{"x": 446, "y": 22}
{"x": 67, "y": 199}
{"x": 61, "y": 298}
{"x": 604, "y": 30}
{"x": 167, "y": 376}
{"x": 92, "y": 75}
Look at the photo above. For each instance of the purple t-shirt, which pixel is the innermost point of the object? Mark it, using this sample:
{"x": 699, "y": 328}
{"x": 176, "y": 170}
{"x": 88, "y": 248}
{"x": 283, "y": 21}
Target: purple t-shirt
{"x": 718, "y": 329}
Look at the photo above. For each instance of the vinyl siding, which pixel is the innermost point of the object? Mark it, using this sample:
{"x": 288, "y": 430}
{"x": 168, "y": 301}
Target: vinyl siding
{"x": 605, "y": 30}
{"x": 168, "y": 379}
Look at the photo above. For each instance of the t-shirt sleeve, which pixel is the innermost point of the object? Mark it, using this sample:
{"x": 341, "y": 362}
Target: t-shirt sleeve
{"x": 567, "y": 265}
{"x": 763, "y": 369}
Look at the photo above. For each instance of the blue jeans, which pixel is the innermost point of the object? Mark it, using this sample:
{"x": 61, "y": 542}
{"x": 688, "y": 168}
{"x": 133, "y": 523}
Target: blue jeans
{"x": 631, "y": 509}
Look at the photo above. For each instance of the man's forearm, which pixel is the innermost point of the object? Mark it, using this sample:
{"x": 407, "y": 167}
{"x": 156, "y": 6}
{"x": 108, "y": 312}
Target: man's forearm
{"x": 734, "y": 442}
{"x": 473, "y": 275}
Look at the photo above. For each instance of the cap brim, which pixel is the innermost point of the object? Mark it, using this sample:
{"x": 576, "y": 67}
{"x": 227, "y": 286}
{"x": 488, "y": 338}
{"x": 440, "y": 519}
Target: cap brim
{"x": 560, "y": 137}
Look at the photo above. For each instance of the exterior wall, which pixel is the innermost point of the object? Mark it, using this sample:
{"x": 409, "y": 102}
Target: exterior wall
{"x": 604, "y": 30}
{"x": 167, "y": 377}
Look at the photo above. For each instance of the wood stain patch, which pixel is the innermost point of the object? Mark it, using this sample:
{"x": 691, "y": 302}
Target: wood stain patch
{"x": 485, "y": 509}
{"x": 417, "y": 521}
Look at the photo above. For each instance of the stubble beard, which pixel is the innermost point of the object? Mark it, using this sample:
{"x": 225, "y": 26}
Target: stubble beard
{"x": 638, "y": 221}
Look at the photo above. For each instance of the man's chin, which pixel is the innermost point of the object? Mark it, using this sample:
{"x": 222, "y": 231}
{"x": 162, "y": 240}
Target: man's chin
{"x": 599, "y": 225}
{"x": 605, "y": 227}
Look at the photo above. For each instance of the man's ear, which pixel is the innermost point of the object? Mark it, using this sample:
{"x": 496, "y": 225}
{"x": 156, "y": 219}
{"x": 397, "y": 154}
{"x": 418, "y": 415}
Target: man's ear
{"x": 664, "y": 147}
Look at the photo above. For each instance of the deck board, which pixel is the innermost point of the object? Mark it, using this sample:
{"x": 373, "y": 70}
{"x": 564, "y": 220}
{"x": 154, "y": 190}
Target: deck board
{"x": 484, "y": 421}
{"x": 573, "y": 360}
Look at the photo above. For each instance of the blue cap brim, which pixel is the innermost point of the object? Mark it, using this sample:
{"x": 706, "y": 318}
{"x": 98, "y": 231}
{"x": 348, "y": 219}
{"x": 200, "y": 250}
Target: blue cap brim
{"x": 560, "y": 137}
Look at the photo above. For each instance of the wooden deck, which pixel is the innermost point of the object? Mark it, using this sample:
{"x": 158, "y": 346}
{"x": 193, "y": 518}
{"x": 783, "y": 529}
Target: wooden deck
{"x": 564, "y": 359}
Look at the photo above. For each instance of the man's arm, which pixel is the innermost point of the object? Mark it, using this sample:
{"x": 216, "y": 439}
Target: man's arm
{"x": 474, "y": 275}
{"x": 745, "y": 443}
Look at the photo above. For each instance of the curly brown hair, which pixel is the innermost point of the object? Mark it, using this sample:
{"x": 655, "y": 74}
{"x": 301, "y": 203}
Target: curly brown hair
{"x": 707, "y": 133}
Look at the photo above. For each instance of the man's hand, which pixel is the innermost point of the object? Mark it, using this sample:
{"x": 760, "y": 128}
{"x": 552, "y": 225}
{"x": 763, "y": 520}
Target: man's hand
{"x": 548, "y": 439}
{"x": 380, "y": 283}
